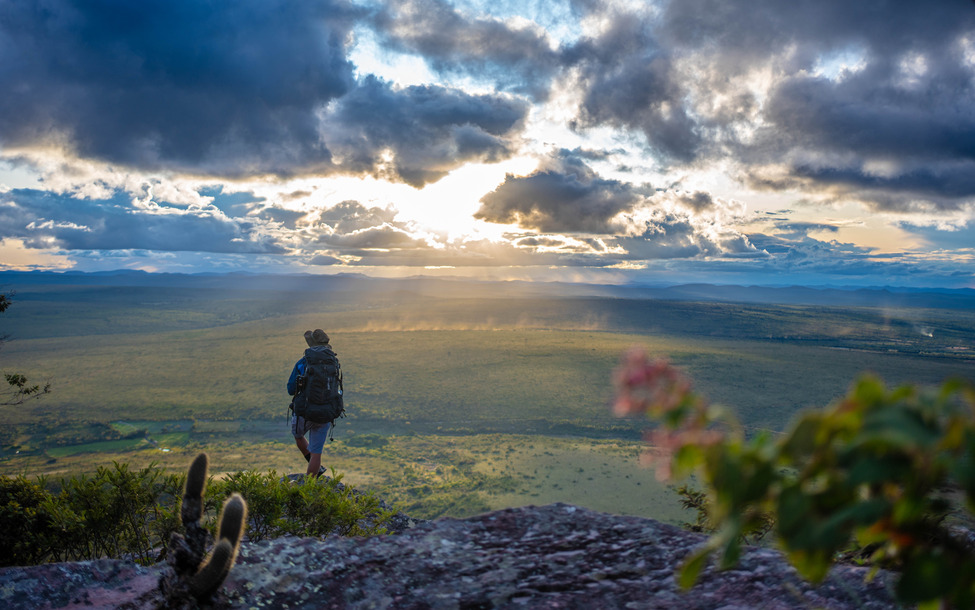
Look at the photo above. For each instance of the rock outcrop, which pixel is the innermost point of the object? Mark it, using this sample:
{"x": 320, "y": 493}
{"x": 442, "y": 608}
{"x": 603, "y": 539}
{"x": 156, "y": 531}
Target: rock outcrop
{"x": 556, "y": 556}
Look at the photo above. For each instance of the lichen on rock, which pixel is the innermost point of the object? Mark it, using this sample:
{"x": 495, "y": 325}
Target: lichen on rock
{"x": 555, "y": 556}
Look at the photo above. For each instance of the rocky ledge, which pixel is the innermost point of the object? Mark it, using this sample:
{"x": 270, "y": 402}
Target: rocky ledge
{"x": 556, "y": 556}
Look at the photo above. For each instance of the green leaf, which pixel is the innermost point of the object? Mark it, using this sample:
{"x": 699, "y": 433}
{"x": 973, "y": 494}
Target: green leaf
{"x": 867, "y": 469}
{"x": 924, "y": 578}
{"x": 835, "y": 532}
{"x": 686, "y": 459}
{"x": 812, "y": 565}
{"x": 963, "y": 468}
{"x": 732, "y": 550}
{"x": 801, "y": 441}
{"x": 793, "y": 510}
{"x": 895, "y": 428}
{"x": 690, "y": 570}
{"x": 868, "y": 391}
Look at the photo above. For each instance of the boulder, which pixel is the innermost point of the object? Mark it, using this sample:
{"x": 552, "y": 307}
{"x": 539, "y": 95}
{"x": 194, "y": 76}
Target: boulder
{"x": 555, "y": 556}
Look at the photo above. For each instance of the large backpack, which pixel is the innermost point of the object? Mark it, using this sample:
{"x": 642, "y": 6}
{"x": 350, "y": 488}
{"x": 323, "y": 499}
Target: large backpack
{"x": 319, "y": 397}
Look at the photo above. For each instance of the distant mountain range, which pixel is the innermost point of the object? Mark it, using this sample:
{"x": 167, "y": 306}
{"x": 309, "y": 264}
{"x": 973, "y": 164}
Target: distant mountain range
{"x": 804, "y": 295}
{"x": 896, "y": 297}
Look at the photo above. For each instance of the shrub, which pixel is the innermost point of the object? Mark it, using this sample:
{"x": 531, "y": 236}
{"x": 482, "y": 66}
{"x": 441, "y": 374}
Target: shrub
{"x": 121, "y": 512}
{"x": 314, "y": 507}
{"x": 875, "y": 469}
{"x": 28, "y": 522}
{"x": 320, "y": 507}
{"x": 265, "y": 496}
{"x": 118, "y": 512}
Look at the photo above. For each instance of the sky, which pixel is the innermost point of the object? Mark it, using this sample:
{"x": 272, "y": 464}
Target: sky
{"x": 809, "y": 142}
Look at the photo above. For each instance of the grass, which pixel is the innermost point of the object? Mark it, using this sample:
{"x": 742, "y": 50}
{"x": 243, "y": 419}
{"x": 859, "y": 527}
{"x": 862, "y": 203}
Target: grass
{"x": 465, "y": 381}
{"x": 427, "y": 475}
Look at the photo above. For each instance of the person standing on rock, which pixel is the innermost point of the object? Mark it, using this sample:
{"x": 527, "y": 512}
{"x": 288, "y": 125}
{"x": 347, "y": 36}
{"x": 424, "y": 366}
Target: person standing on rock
{"x": 316, "y": 380}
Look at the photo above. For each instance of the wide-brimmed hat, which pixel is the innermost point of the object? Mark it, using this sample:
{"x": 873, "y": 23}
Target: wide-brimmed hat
{"x": 316, "y": 337}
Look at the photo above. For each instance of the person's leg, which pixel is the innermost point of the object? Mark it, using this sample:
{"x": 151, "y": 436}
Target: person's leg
{"x": 316, "y": 443}
{"x": 314, "y": 465}
{"x": 302, "y": 446}
{"x": 298, "y": 431}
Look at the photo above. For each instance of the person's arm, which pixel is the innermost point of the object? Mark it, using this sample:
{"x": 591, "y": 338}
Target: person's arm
{"x": 293, "y": 380}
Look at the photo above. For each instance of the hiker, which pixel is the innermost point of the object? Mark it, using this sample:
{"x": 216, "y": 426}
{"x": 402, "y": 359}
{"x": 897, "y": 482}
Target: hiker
{"x": 306, "y": 417}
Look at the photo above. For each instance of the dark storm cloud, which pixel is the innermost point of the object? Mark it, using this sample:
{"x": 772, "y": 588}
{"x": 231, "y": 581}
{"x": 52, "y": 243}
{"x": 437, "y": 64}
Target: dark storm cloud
{"x": 909, "y": 97}
{"x": 920, "y": 126}
{"x": 286, "y": 218}
{"x": 591, "y": 154}
{"x": 324, "y": 260}
{"x": 747, "y": 28}
{"x": 566, "y": 196}
{"x": 241, "y": 205}
{"x": 628, "y": 81}
{"x": 350, "y": 226}
{"x": 424, "y": 130}
{"x": 383, "y": 237}
{"x": 800, "y": 249}
{"x": 45, "y": 220}
{"x": 945, "y": 238}
{"x": 699, "y": 201}
{"x": 946, "y": 186}
{"x": 670, "y": 236}
{"x": 563, "y": 195}
{"x": 231, "y": 204}
{"x": 224, "y": 87}
{"x": 682, "y": 77}
{"x": 922, "y": 121}
{"x": 539, "y": 242}
{"x": 705, "y": 49}
{"x": 294, "y": 195}
{"x": 625, "y": 78}
{"x": 348, "y": 216}
{"x": 517, "y": 58}
{"x": 560, "y": 244}
{"x": 803, "y": 228}
{"x": 228, "y": 88}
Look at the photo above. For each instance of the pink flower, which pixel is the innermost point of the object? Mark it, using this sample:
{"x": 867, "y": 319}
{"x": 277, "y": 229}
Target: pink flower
{"x": 645, "y": 385}
{"x": 658, "y": 389}
{"x": 664, "y": 443}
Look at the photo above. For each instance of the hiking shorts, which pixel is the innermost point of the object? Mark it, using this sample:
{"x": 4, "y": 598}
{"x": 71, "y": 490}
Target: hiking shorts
{"x": 317, "y": 433}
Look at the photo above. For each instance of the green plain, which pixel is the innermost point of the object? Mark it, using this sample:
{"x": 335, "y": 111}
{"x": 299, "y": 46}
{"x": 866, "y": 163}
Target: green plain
{"x": 456, "y": 405}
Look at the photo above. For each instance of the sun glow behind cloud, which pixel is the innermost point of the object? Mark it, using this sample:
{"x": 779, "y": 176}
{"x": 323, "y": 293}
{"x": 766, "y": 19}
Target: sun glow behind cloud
{"x": 449, "y": 205}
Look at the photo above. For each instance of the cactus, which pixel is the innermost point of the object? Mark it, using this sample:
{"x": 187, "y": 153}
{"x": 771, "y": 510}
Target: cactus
{"x": 231, "y": 528}
{"x": 193, "y": 576}
{"x": 196, "y": 483}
